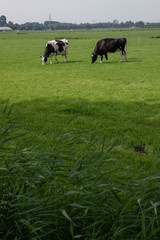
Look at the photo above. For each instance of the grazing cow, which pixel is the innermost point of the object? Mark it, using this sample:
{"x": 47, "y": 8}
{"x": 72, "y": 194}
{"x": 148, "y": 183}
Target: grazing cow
{"x": 110, "y": 45}
{"x": 54, "y": 48}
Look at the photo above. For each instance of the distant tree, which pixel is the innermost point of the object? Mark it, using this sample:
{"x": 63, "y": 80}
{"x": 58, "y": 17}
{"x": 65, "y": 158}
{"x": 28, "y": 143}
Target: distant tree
{"x": 11, "y": 25}
{"x": 139, "y": 24}
{"x": 129, "y": 24}
{"x": 37, "y": 26}
{"x": 50, "y": 25}
{"x": 3, "y": 21}
{"x": 17, "y": 26}
{"x": 55, "y": 25}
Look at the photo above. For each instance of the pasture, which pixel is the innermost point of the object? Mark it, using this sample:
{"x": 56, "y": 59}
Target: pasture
{"x": 108, "y": 109}
{"x": 116, "y": 101}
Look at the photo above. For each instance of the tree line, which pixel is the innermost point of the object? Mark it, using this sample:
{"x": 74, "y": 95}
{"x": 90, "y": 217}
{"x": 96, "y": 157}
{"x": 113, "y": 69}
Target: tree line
{"x": 54, "y": 25}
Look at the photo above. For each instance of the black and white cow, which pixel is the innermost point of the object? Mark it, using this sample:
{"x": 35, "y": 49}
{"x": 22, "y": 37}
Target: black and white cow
{"x": 54, "y": 48}
{"x": 110, "y": 45}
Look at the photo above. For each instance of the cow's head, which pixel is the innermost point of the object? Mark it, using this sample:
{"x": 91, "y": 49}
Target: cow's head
{"x": 94, "y": 57}
{"x": 65, "y": 41}
{"x": 44, "y": 60}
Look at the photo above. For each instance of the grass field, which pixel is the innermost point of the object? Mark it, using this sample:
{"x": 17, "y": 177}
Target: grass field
{"x": 118, "y": 101}
{"x": 85, "y": 108}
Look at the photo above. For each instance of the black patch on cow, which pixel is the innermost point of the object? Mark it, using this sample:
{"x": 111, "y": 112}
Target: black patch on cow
{"x": 45, "y": 59}
{"x": 60, "y": 45}
{"x": 48, "y": 50}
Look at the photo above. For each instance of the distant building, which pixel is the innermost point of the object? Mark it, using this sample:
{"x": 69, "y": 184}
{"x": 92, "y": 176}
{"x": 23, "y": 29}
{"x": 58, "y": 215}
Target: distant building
{"x": 3, "y": 29}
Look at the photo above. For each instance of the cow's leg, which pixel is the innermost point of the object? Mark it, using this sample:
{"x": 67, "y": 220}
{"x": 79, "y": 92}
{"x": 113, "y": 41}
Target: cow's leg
{"x": 66, "y": 55}
{"x": 56, "y": 59}
{"x": 50, "y": 60}
{"x": 121, "y": 56}
{"x": 66, "y": 58}
{"x": 125, "y": 55}
{"x": 106, "y": 56}
{"x": 101, "y": 58}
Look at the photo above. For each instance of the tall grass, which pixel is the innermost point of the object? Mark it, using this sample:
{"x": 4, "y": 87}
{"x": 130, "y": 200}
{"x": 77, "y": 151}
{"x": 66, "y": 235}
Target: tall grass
{"x": 73, "y": 194}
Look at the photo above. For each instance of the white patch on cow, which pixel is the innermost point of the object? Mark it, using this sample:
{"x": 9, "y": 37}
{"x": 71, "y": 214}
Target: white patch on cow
{"x": 54, "y": 44}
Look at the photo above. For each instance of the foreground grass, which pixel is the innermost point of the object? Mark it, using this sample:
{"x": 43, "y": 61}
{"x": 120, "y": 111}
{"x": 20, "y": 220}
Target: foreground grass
{"x": 74, "y": 194}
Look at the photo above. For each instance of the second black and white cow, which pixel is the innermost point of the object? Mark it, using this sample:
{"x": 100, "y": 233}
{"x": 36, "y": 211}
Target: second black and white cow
{"x": 110, "y": 45}
{"x": 54, "y": 48}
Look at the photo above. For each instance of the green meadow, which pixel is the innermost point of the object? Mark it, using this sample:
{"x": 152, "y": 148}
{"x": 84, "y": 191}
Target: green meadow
{"x": 80, "y": 142}
{"x": 118, "y": 101}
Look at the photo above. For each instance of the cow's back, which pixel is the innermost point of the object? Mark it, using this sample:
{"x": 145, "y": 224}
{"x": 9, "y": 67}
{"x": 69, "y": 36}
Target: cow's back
{"x": 112, "y": 44}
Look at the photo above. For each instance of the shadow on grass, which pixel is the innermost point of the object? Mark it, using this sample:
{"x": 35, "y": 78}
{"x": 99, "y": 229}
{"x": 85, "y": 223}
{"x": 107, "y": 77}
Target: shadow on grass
{"x": 68, "y": 62}
{"x": 131, "y": 123}
{"x": 134, "y": 60}
{"x": 130, "y": 60}
{"x": 76, "y": 61}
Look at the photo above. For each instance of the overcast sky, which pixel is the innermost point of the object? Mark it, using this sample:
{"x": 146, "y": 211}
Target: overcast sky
{"x": 80, "y": 11}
